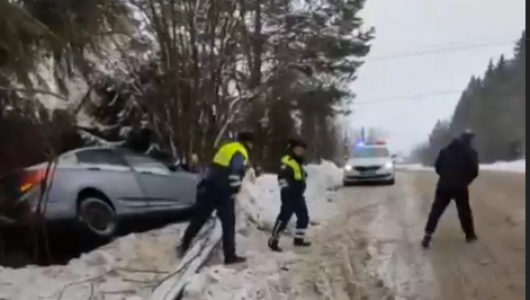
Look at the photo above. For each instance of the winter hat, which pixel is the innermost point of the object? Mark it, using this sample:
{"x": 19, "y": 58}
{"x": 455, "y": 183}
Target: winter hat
{"x": 245, "y": 137}
{"x": 467, "y": 135}
{"x": 295, "y": 142}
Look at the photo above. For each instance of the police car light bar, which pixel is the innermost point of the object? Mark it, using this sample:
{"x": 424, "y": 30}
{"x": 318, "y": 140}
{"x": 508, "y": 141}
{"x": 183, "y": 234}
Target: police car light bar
{"x": 361, "y": 144}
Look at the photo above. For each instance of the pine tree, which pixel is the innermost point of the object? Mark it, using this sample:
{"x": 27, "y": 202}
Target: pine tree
{"x": 494, "y": 106}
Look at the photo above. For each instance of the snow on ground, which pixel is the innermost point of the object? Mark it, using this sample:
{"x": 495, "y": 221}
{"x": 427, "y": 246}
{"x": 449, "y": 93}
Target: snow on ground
{"x": 126, "y": 269}
{"x": 413, "y": 167}
{"x": 130, "y": 267}
{"x": 260, "y": 278}
{"x": 518, "y": 166}
{"x": 322, "y": 179}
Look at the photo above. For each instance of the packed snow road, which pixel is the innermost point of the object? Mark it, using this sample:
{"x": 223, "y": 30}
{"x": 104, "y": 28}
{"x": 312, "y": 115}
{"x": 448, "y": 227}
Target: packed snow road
{"x": 378, "y": 237}
{"x": 371, "y": 249}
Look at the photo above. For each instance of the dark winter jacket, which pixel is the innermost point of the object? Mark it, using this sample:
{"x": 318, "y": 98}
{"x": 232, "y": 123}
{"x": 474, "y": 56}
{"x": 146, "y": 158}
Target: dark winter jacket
{"x": 457, "y": 165}
{"x": 292, "y": 185}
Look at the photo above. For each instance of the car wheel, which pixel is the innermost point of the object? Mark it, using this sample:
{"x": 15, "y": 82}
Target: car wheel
{"x": 392, "y": 182}
{"x": 98, "y": 217}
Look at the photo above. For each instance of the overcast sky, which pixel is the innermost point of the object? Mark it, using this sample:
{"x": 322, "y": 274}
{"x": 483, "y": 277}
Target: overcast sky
{"x": 405, "y": 26}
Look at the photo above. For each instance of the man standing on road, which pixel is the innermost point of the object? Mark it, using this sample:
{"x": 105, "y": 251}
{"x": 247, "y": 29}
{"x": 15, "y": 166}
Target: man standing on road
{"x": 217, "y": 191}
{"x": 458, "y": 166}
{"x": 292, "y": 181}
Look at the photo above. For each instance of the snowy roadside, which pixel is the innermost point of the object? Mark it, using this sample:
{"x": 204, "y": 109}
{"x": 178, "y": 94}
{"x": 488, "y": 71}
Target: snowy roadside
{"x": 132, "y": 266}
{"x": 518, "y": 166}
{"x": 264, "y": 195}
{"x": 128, "y": 268}
{"x": 260, "y": 278}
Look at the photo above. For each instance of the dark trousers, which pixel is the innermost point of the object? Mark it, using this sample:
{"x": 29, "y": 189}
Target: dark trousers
{"x": 442, "y": 199}
{"x": 290, "y": 206}
{"x": 208, "y": 202}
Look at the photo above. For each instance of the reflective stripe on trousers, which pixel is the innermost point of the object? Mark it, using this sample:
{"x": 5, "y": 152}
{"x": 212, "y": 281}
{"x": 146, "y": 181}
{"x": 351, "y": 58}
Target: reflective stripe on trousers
{"x": 300, "y": 233}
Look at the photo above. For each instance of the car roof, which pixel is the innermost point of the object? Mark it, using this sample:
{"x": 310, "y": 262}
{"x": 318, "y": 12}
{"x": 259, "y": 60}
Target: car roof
{"x": 94, "y": 148}
{"x": 89, "y": 149}
{"x": 372, "y": 147}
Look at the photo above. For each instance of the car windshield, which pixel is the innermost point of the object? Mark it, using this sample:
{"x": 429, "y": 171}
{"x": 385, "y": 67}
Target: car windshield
{"x": 370, "y": 153}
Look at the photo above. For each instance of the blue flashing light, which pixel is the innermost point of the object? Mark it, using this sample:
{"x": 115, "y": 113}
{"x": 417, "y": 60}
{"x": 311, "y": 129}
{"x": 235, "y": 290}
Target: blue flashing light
{"x": 363, "y": 144}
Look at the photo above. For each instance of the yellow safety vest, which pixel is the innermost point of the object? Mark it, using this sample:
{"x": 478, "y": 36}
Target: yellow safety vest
{"x": 295, "y": 166}
{"x": 226, "y": 152}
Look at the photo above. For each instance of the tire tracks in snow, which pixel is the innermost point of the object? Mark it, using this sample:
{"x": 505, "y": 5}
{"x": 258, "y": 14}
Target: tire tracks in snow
{"x": 371, "y": 250}
{"x": 494, "y": 267}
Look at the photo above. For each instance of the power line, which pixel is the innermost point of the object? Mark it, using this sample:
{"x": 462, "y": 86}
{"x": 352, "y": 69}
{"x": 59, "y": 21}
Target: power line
{"x": 473, "y": 41}
{"x": 455, "y": 47}
{"x": 448, "y": 47}
{"x": 410, "y": 98}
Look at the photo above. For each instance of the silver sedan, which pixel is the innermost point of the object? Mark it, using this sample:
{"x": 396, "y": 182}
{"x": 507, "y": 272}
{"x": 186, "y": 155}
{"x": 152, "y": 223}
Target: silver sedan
{"x": 97, "y": 187}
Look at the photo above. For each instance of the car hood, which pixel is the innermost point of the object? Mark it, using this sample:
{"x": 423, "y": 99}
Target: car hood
{"x": 365, "y": 162}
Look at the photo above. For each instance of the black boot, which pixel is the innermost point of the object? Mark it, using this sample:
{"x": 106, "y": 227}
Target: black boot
{"x": 232, "y": 260}
{"x": 471, "y": 238}
{"x": 426, "y": 242}
{"x": 182, "y": 249}
{"x": 301, "y": 243}
{"x": 273, "y": 245}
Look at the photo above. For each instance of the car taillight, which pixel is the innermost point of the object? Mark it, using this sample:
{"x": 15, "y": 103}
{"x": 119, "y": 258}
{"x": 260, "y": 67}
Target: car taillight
{"x": 32, "y": 178}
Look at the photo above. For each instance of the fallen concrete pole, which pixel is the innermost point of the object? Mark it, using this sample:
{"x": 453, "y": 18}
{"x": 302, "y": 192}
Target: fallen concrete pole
{"x": 173, "y": 286}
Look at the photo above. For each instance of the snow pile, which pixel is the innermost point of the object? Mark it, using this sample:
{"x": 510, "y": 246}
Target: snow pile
{"x": 518, "y": 166}
{"x": 127, "y": 269}
{"x": 322, "y": 181}
{"x": 252, "y": 283}
{"x": 261, "y": 277}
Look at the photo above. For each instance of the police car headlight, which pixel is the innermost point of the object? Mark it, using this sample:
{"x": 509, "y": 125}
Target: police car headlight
{"x": 347, "y": 168}
{"x": 389, "y": 165}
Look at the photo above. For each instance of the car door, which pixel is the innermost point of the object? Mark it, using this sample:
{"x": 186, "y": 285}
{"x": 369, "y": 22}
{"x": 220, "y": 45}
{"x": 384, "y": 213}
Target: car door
{"x": 186, "y": 185}
{"x": 161, "y": 186}
{"x": 107, "y": 171}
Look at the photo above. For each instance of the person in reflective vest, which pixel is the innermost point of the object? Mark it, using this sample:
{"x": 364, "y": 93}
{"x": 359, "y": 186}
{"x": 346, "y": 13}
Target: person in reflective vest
{"x": 292, "y": 181}
{"x": 217, "y": 191}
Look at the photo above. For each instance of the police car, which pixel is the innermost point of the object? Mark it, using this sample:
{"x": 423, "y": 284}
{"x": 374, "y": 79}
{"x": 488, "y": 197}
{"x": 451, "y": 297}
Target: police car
{"x": 370, "y": 163}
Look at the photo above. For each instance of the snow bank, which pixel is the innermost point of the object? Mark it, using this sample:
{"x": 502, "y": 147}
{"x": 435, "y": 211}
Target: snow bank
{"x": 322, "y": 181}
{"x": 132, "y": 266}
{"x": 127, "y": 269}
{"x": 260, "y": 202}
{"x": 518, "y": 166}
{"x": 413, "y": 167}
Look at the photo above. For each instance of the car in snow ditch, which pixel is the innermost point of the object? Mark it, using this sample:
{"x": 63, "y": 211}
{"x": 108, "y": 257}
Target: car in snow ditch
{"x": 96, "y": 188}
